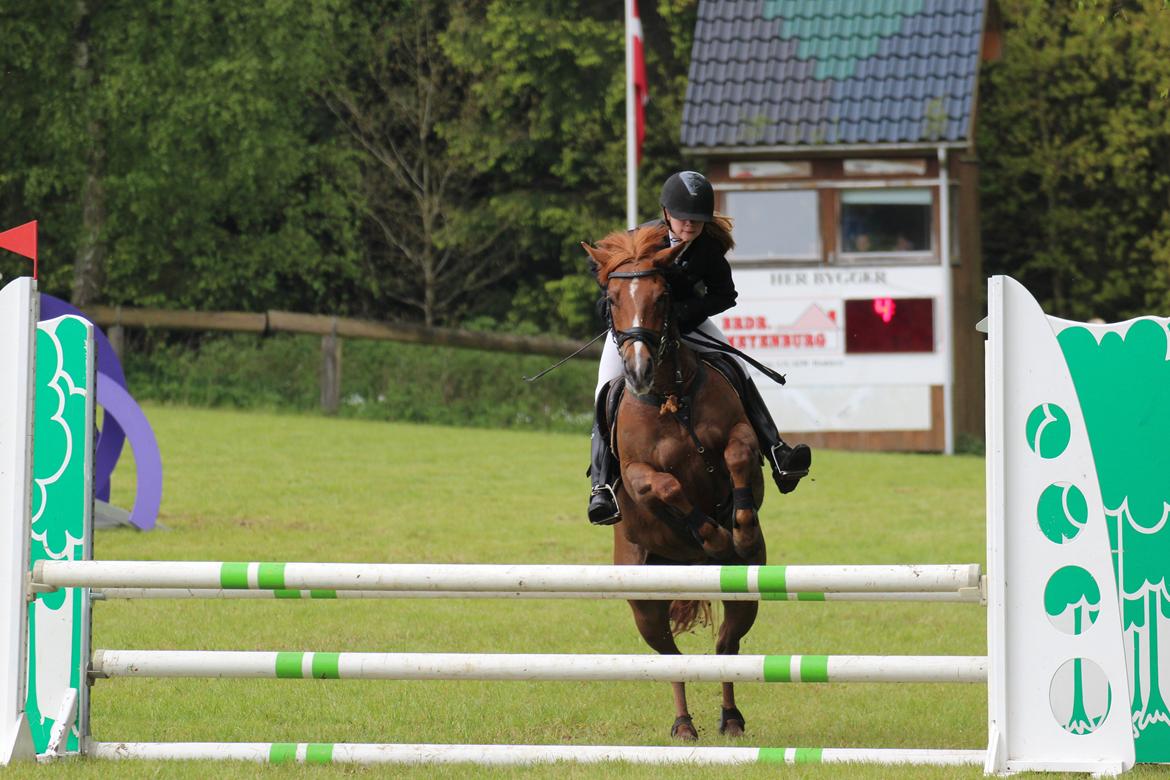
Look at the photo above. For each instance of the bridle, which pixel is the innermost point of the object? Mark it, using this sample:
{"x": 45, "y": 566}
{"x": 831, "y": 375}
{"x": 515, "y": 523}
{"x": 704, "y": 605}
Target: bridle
{"x": 659, "y": 341}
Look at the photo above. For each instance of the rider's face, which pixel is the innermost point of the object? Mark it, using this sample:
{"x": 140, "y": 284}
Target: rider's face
{"x": 686, "y": 229}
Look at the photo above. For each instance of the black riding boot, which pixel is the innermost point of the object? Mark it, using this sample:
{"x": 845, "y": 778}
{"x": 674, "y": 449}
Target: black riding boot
{"x": 788, "y": 463}
{"x": 604, "y": 470}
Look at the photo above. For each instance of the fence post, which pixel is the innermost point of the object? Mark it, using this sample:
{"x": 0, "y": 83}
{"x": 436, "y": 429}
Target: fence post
{"x": 331, "y": 371}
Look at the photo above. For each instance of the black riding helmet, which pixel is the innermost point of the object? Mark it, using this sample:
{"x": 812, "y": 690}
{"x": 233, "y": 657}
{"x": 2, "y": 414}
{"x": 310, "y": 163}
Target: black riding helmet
{"x": 688, "y": 195}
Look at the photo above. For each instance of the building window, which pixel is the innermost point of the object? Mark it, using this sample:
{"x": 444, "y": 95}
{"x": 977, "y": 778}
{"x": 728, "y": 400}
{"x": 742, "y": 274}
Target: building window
{"x": 886, "y": 222}
{"x": 774, "y": 224}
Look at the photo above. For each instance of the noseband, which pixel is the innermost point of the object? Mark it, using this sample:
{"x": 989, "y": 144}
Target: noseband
{"x": 654, "y": 339}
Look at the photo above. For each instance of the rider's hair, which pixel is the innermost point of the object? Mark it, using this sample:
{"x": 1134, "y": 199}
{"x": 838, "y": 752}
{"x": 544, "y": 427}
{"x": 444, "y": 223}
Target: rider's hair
{"x": 720, "y": 229}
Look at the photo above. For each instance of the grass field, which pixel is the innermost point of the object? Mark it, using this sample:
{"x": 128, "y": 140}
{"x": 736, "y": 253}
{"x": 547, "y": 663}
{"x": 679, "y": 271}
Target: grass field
{"x": 284, "y": 487}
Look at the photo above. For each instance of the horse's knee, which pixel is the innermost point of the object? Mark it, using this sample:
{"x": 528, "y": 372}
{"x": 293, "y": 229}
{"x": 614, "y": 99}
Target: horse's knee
{"x": 739, "y": 455}
{"x": 667, "y": 488}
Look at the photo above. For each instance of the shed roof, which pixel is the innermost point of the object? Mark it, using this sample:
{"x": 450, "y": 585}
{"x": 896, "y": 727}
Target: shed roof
{"x": 792, "y": 73}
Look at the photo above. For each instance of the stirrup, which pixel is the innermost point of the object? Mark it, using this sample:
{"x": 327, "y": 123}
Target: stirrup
{"x": 784, "y": 451}
{"x": 607, "y": 514}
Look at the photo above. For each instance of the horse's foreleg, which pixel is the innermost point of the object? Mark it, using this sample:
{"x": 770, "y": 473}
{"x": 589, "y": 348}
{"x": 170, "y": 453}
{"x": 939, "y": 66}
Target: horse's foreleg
{"x": 742, "y": 458}
{"x": 653, "y": 621}
{"x": 738, "y": 617}
{"x": 661, "y": 493}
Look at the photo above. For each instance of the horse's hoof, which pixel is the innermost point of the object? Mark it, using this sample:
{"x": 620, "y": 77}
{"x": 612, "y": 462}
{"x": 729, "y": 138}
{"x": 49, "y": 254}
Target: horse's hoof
{"x": 731, "y": 722}
{"x": 684, "y": 729}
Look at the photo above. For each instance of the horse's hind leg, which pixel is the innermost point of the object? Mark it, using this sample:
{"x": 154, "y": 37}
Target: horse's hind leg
{"x": 653, "y": 621}
{"x": 742, "y": 456}
{"x": 738, "y": 617}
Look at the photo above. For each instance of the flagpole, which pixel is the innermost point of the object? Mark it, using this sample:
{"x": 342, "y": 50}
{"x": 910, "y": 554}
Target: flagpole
{"x": 631, "y": 129}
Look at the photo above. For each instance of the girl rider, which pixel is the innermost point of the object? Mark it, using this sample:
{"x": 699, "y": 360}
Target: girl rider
{"x": 704, "y": 290}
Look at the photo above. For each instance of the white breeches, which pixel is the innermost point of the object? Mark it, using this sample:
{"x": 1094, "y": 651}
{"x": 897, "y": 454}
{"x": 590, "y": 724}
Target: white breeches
{"x": 610, "y": 366}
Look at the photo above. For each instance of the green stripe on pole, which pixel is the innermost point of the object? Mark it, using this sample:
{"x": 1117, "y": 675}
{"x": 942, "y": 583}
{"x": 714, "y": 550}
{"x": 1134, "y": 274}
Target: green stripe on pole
{"x": 325, "y": 666}
{"x": 814, "y": 668}
{"x": 270, "y": 576}
{"x": 810, "y": 596}
{"x": 808, "y": 755}
{"x": 773, "y": 579}
{"x": 770, "y": 756}
{"x": 733, "y": 579}
{"x": 289, "y": 666}
{"x": 233, "y": 576}
{"x": 777, "y": 668}
{"x": 319, "y": 753}
{"x": 287, "y": 594}
{"x": 322, "y": 594}
{"x": 282, "y": 753}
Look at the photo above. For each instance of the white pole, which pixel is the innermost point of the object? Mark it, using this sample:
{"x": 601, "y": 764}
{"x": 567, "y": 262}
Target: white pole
{"x": 329, "y": 753}
{"x": 963, "y": 595}
{"x": 504, "y": 577}
{"x": 520, "y": 666}
{"x": 631, "y": 130}
{"x": 947, "y": 315}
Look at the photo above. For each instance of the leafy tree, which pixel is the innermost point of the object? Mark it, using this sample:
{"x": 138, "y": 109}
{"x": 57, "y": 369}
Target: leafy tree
{"x": 432, "y": 246}
{"x": 1075, "y": 142}
{"x": 545, "y": 121}
{"x": 183, "y": 156}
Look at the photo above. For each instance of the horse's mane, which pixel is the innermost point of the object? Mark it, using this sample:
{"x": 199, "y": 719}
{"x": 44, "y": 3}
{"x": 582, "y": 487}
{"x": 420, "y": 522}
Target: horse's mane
{"x": 625, "y": 246}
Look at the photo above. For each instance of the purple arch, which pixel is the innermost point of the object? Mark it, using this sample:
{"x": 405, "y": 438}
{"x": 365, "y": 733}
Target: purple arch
{"x": 121, "y": 406}
{"x": 111, "y": 436}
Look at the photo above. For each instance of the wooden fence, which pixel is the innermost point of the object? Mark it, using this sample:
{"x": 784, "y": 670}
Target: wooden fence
{"x": 331, "y": 329}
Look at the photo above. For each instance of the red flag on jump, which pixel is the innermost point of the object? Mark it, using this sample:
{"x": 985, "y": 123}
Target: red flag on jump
{"x": 641, "y": 93}
{"x": 22, "y": 240}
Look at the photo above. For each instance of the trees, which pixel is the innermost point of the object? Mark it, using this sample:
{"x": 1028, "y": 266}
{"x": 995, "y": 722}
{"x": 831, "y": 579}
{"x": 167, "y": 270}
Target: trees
{"x": 433, "y": 246}
{"x": 544, "y": 124}
{"x": 1074, "y": 135}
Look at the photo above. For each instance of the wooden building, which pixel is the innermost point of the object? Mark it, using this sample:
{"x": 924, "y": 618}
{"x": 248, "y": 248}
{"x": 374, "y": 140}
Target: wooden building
{"x": 839, "y": 134}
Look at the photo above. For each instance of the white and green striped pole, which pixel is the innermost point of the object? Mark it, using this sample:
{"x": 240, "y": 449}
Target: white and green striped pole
{"x": 963, "y": 595}
{"x": 502, "y": 577}
{"x": 339, "y": 753}
{"x": 520, "y": 666}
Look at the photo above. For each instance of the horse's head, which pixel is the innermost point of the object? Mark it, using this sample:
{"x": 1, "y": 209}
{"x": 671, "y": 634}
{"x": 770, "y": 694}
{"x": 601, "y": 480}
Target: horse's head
{"x": 632, "y": 268}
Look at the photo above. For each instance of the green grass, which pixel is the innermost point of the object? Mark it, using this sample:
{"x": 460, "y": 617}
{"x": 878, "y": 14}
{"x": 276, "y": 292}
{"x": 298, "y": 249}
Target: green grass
{"x": 285, "y": 487}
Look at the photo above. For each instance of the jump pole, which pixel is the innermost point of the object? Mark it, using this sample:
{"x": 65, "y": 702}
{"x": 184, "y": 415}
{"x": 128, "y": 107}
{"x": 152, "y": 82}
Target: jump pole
{"x": 500, "y": 577}
{"x": 530, "y": 667}
{"x": 962, "y": 595}
{"x": 326, "y": 753}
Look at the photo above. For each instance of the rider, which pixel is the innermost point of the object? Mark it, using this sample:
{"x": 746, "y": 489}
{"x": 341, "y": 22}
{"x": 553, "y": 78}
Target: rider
{"x": 706, "y": 289}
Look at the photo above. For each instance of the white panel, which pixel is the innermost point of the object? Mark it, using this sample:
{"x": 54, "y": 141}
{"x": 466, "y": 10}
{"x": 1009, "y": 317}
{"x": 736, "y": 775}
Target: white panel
{"x": 17, "y": 320}
{"x": 848, "y": 408}
{"x": 1026, "y": 648}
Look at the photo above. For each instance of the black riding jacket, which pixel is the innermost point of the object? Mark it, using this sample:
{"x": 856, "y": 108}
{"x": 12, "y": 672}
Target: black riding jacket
{"x": 705, "y": 287}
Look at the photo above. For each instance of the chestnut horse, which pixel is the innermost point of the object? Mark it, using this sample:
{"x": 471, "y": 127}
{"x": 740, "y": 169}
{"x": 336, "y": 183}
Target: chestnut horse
{"x": 691, "y": 482}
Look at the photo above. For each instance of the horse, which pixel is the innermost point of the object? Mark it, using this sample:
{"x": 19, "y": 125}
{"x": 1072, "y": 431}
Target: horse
{"x": 689, "y": 458}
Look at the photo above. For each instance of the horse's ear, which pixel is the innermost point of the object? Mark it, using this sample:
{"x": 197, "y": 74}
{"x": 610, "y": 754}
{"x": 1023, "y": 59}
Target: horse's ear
{"x": 596, "y": 258}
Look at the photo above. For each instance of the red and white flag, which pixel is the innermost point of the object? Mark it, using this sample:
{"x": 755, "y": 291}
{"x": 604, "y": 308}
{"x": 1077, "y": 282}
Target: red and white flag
{"x": 637, "y": 75}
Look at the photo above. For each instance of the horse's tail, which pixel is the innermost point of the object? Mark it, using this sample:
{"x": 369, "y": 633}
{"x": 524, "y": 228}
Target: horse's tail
{"x": 685, "y": 614}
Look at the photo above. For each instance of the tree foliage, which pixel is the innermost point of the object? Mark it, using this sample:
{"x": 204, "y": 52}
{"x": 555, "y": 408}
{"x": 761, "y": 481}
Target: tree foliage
{"x": 1075, "y": 143}
{"x": 442, "y": 161}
